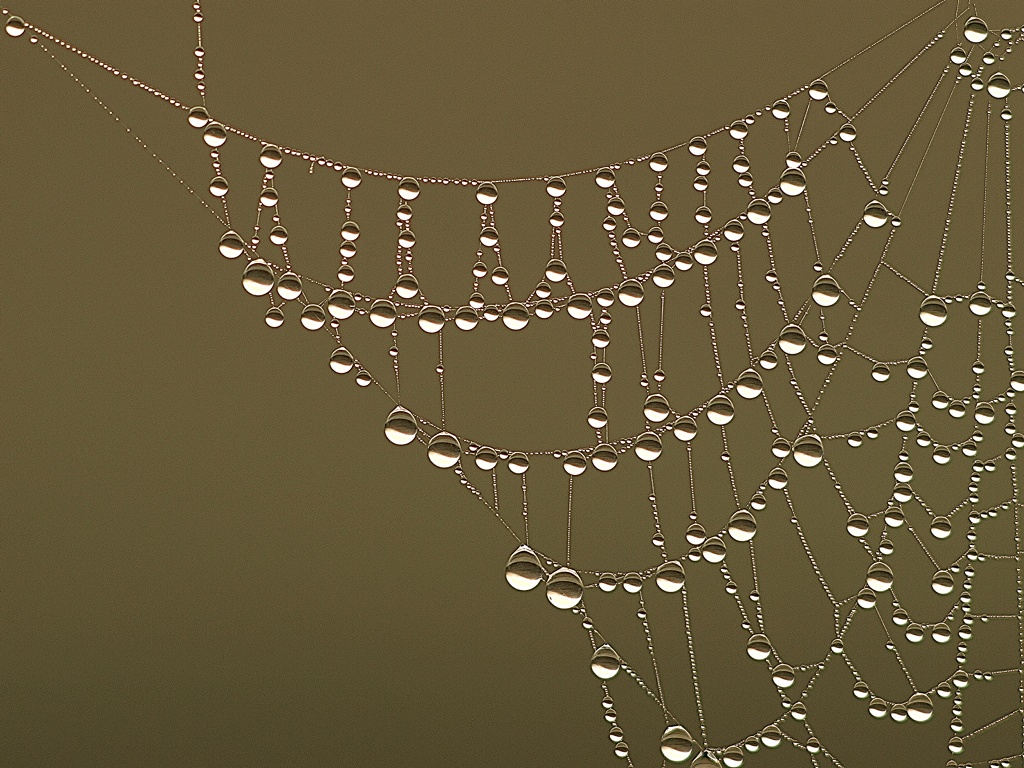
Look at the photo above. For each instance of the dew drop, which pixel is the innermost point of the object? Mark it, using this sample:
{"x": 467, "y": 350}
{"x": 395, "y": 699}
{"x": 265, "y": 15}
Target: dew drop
{"x": 792, "y": 340}
{"x": 875, "y": 214}
{"x": 523, "y": 571}
{"x": 258, "y": 278}
{"x": 214, "y": 135}
{"x": 400, "y": 427}
{"x": 808, "y": 451}
{"x": 793, "y": 182}
{"x": 742, "y": 526}
{"x": 749, "y": 385}
{"x": 720, "y": 410}
{"x": 647, "y": 447}
{"x": 15, "y": 26}
{"x": 998, "y": 86}
{"x": 574, "y": 463}
{"x": 408, "y": 188}
{"x": 313, "y": 317}
{"x": 198, "y": 117}
{"x": 444, "y": 450}
{"x": 604, "y": 458}
{"x": 933, "y": 311}
{"x": 758, "y": 647}
{"x": 879, "y": 577}
{"x": 564, "y": 589}
{"x": 605, "y": 663}
{"x": 431, "y": 319}
{"x": 676, "y": 744}
{"x": 383, "y": 313}
{"x": 231, "y": 246}
{"x": 826, "y": 291}
{"x": 270, "y": 156}
{"x": 976, "y": 30}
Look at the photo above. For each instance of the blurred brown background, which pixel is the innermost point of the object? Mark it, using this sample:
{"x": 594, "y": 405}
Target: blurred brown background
{"x": 210, "y": 555}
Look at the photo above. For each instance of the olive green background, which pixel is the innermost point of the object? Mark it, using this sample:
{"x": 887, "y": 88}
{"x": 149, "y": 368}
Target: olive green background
{"x": 209, "y": 554}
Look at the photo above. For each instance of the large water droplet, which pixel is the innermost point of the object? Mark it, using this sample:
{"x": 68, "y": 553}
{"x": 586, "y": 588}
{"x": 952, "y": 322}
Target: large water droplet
{"x": 214, "y": 135}
{"x": 879, "y": 577}
{"x": 685, "y": 428}
{"x": 604, "y": 458}
{"x": 933, "y": 311}
{"x": 676, "y": 744}
{"x": 656, "y": 408}
{"x": 444, "y": 450}
{"x": 759, "y": 211}
{"x": 998, "y": 86}
{"x": 605, "y": 663}
{"x": 258, "y": 278}
{"x": 793, "y": 182}
{"x": 231, "y": 245}
{"x": 758, "y": 647}
{"x": 198, "y": 117}
{"x": 431, "y": 319}
{"x": 400, "y": 427}
{"x": 15, "y": 26}
{"x": 720, "y": 410}
{"x": 383, "y": 313}
{"x": 670, "y": 576}
{"x": 976, "y": 30}
{"x": 648, "y": 446}
{"x": 579, "y": 306}
{"x": 826, "y": 291}
{"x": 631, "y": 293}
{"x": 705, "y": 252}
{"x": 341, "y": 360}
{"x": 875, "y": 214}
{"x": 515, "y": 316}
{"x": 270, "y": 156}
{"x": 486, "y": 194}
{"x": 742, "y": 526}
{"x": 524, "y": 571}
{"x": 792, "y": 340}
{"x": 564, "y": 589}
{"x": 942, "y": 583}
{"x": 749, "y": 385}
{"x": 808, "y": 451}
{"x": 313, "y": 317}
{"x": 408, "y": 188}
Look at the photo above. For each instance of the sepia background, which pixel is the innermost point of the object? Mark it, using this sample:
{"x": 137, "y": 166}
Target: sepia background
{"x": 209, "y": 554}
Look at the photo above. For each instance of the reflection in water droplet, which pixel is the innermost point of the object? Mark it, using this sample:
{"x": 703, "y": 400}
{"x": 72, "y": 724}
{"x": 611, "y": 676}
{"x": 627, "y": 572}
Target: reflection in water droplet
{"x": 847, "y": 132}
{"x": 444, "y": 450}
{"x": 274, "y": 317}
{"x": 685, "y": 428}
{"x": 279, "y": 235}
{"x": 219, "y": 186}
{"x": 515, "y": 316}
{"x": 341, "y": 360}
{"x": 742, "y": 526}
{"x": 758, "y": 647}
{"x": 808, "y": 451}
{"x": 933, "y": 311}
{"x": 793, "y": 182}
{"x": 289, "y": 286}
{"x": 214, "y": 135}
{"x": 826, "y": 291}
{"x": 198, "y": 117}
{"x": 579, "y": 306}
{"x": 720, "y": 410}
{"x": 231, "y": 245}
{"x": 574, "y": 463}
{"x": 430, "y": 319}
{"x": 564, "y": 589}
{"x": 383, "y": 313}
{"x": 698, "y": 146}
{"x": 998, "y": 86}
{"x": 705, "y": 252}
{"x": 656, "y": 408}
{"x": 258, "y": 278}
{"x": 879, "y": 577}
{"x": 919, "y": 707}
{"x": 818, "y": 90}
{"x": 604, "y": 458}
{"x": 749, "y": 385}
{"x": 15, "y": 26}
{"x": 631, "y": 293}
{"x": 942, "y": 583}
{"x": 524, "y": 571}
{"x": 713, "y": 550}
{"x": 676, "y": 744}
{"x": 408, "y": 188}
{"x": 270, "y": 156}
{"x": 975, "y": 30}
{"x": 705, "y": 760}
{"x": 313, "y": 317}
{"x": 670, "y": 576}
{"x": 875, "y": 214}
{"x": 759, "y": 211}
{"x": 792, "y": 340}
{"x": 598, "y": 417}
{"x": 605, "y": 663}
{"x": 486, "y": 194}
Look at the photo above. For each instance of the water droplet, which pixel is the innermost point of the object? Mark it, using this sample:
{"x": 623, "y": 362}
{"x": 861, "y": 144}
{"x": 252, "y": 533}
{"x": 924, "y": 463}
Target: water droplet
{"x": 604, "y": 458}
{"x": 598, "y": 417}
{"x": 605, "y": 663}
{"x": 631, "y": 293}
{"x": 574, "y": 463}
{"x": 579, "y": 306}
{"x": 783, "y": 676}
{"x": 524, "y": 571}
{"x": 400, "y": 427}
{"x": 274, "y": 317}
{"x": 998, "y": 86}
{"x": 793, "y": 182}
{"x": 980, "y": 303}
{"x": 720, "y": 410}
{"x": 407, "y": 286}
{"x": 647, "y": 447}
{"x": 351, "y": 177}
{"x": 431, "y": 319}
{"x": 289, "y": 286}
{"x": 759, "y": 211}
{"x": 656, "y": 408}
{"x": 742, "y": 526}
{"x": 879, "y": 577}
{"x": 818, "y": 90}
{"x": 214, "y": 135}
{"x": 408, "y": 188}
{"x": 847, "y": 132}
{"x": 705, "y": 760}
{"x": 486, "y": 194}
{"x": 698, "y": 146}
{"x": 705, "y": 252}
{"x": 564, "y": 589}
{"x": 258, "y": 278}
{"x": 279, "y": 235}
{"x": 605, "y": 178}
{"x": 198, "y": 117}
{"x": 466, "y": 318}
{"x": 383, "y": 313}
{"x": 676, "y": 744}
{"x": 270, "y": 156}
{"x": 313, "y": 317}
{"x": 919, "y": 707}
{"x": 942, "y": 583}
{"x": 875, "y": 214}
{"x": 663, "y": 276}
{"x": 555, "y": 271}
{"x": 15, "y": 26}
{"x": 713, "y": 550}
{"x": 444, "y": 450}
{"x": 808, "y": 451}
{"x": 658, "y": 162}
{"x": 555, "y": 187}
{"x": 758, "y": 647}
{"x": 219, "y": 186}
{"x": 685, "y": 428}
{"x": 826, "y": 291}
{"x": 749, "y": 385}
{"x": 792, "y": 340}
{"x": 231, "y": 246}
{"x": 933, "y": 311}
{"x": 976, "y": 30}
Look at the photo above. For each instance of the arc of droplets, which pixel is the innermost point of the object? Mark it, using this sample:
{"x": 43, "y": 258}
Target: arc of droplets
{"x": 919, "y": 706}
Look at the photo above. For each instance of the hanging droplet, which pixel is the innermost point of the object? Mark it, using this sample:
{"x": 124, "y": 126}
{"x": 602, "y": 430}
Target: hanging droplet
{"x": 341, "y": 360}
{"x": 598, "y": 417}
{"x": 875, "y": 214}
{"x": 742, "y": 526}
{"x": 431, "y": 319}
{"x": 685, "y": 428}
{"x": 818, "y": 90}
{"x": 574, "y": 463}
{"x": 980, "y": 304}
{"x": 351, "y": 177}
{"x": 826, "y": 291}
{"x": 518, "y": 463}
{"x": 313, "y": 317}
{"x": 792, "y": 340}
{"x": 720, "y": 410}
{"x": 663, "y": 276}
{"x": 647, "y": 447}
{"x": 879, "y": 577}
{"x": 933, "y": 311}
{"x": 564, "y": 589}
{"x": 919, "y": 707}
{"x": 350, "y": 231}
{"x": 214, "y": 135}
{"x": 631, "y": 293}
{"x": 555, "y": 187}
{"x": 942, "y": 583}
{"x": 998, "y": 86}
{"x": 340, "y": 304}
{"x": 759, "y": 211}
{"x": 270, "y": 156}
{"x": 605, "y": 178}
{"x": 579, "y": 306}
{"x": 268, "y": 197}
{"x": 408, "y": 188}
{"x": 676, "y": 744}
{"x": 258, "y": 278}
{"x": 780, "y": 109}
{"x": 15, "y": 26}
{"x": 486, "y": 458}
{"x": 808, "y": 451}
{"x": 705, "y": 760}
{"x": 975, "y": 30}
{"x": 486, "y": 194}
{"x": 656, "y": 408}
{"x": 219, "y": 186}
{"x": 466, "y": 318}
{"x": 555, "y": 271}
{"x": 444, "y": 450}
{"x": 847, "y": 132}
{"x": 793, "y": 182}
{"x": 631, "y": 238}
{"x": 231, "y": 245}
{"x": 289, "y": 286}
{"x": 278, "y": 235}
{"x": 515, "y": 316}
{"x": 670, "y": 576}
{"x": 605, "y": 663}
{"x": 400, "y": 427}
{"x": 383, "y": 313}
{"x": 698, "y": 146}
{"x": 407, "y": 286}
{"x": 604, "y": 458}
{"x": 758, "y": 647}
{"x": 524, "y": 571}
{"x": 749, "y": 385}
{"x": 783, "y": 676}
{"x": 941, "y": 528}
{"x": 274, "y": 317}
{"x": 198, "y": 117}
{"x": 705, "y": 252}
